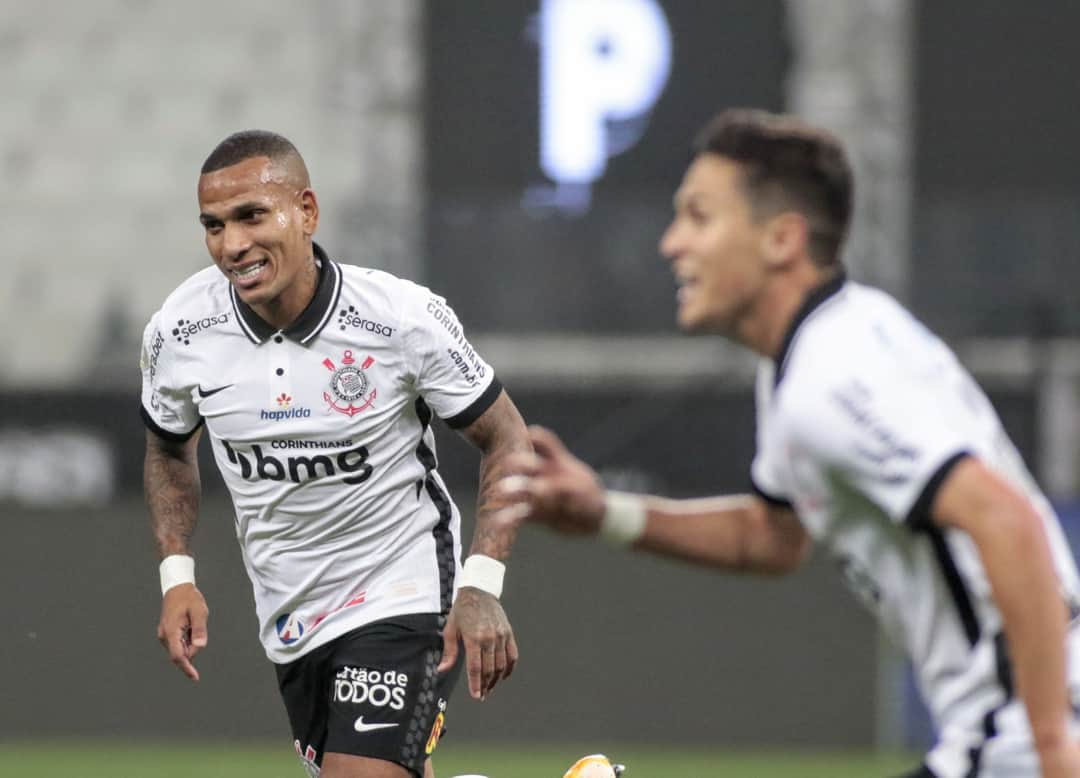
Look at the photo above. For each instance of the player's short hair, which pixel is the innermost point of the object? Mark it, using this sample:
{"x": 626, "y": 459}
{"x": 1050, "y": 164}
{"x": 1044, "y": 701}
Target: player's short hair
{"x": 246, "y": 144}
{"x": 787, "y": 164}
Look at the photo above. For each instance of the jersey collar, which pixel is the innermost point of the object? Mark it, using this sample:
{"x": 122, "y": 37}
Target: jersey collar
{"x": 310, "y": 321}
{"x": 811, "y": 303}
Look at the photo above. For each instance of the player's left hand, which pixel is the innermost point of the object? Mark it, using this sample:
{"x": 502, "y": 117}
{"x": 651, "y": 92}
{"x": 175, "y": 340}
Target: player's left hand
{"x": 479, "y": 621}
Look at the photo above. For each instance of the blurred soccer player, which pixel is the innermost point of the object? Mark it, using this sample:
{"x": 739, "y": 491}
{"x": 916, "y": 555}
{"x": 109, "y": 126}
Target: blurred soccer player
{"x": 872, "y": 441}
{"x": 317, "y": 383}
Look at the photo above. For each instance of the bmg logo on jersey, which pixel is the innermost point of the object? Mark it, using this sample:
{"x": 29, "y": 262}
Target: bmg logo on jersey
{"x": 378, "y": 688}
{"x": 300, "y": 468}
{"x": 186, "y": 329}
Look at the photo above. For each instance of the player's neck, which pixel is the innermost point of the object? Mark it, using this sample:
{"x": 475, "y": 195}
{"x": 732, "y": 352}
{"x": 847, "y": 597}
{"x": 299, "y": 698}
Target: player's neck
{"x": 286, "y": 308}
{"x": 774, "y": 312}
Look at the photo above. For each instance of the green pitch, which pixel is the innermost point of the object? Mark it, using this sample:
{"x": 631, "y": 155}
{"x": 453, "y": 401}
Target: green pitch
{"x": 94, "y": 760}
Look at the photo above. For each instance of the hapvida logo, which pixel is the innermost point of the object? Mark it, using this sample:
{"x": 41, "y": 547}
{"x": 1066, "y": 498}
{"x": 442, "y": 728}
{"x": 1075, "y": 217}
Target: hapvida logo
{"x": 286, "y": 411}
{"x": 291, "y": 413}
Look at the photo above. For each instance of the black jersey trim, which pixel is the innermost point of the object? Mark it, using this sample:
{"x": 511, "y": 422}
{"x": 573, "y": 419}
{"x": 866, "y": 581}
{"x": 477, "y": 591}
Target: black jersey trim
{"x": 161, "y": 432}
{"x": 311, "y": 320}
{"x": 811, "y": 303}
{"x": 479, "y": 405}
{"x": 1003, "y": 670}
{"x": 444, "y": 545}
{"x": 771, "y": 499}
{"x": 955, "y": 584}
{"x": 444, "y": 536}
{"x": 318, "y": 312}
{"x": 918, "y": 517}
{"x": 423, "y": 451}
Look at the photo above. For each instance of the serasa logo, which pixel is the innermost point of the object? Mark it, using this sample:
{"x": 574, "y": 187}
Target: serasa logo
{"x": 301, "y": 468}
{"x": 155, "y": 352}
{"x": 185, "y": 329}
{"x": 603, "y": 65}
{"x": 349, "y": 317}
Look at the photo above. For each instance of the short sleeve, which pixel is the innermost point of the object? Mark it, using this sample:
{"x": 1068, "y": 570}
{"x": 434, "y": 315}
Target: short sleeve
{"x": 449, "y": 373}
{"x": 167, "y": 405}
{"x": 765, "y": 471}
{"x": 892, "y": 440}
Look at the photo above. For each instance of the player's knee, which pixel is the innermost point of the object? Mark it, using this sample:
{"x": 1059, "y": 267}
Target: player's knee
{"x": 351, "y": 766}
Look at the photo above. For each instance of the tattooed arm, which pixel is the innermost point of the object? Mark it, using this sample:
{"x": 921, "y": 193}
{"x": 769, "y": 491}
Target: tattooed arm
{"x": 171, "y": 483}
{"x": 477, "y": 617}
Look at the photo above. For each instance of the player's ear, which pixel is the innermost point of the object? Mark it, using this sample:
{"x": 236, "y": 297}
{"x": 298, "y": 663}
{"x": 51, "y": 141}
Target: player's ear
{"x": 309, "y": 204}
{"x": 785, "y": 237}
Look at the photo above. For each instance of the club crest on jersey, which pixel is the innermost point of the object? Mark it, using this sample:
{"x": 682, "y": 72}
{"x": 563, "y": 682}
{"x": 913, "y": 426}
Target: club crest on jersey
{"x": 349, "y": 384}
{"x": 289, "y": 628}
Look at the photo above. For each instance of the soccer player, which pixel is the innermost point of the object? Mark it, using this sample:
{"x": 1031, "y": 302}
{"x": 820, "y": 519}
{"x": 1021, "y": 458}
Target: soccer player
{"x": 872, "y": 441}
{"x": 317, "y": 383}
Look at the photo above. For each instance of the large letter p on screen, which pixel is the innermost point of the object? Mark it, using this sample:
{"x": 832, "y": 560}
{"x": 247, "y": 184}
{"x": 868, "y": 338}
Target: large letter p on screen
{"x": 601, "y": 60}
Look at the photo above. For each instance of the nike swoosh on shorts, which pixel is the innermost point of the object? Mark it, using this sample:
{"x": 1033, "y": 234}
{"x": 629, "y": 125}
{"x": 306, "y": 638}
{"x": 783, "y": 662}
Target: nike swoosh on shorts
{"x": 360, "y": 726}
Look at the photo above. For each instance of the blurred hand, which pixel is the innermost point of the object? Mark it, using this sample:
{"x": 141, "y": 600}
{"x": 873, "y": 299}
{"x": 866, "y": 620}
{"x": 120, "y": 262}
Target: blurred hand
{"x": 182, "y": 629}
{"x": 553, "y": 487}
{"x": 479, "y": 621}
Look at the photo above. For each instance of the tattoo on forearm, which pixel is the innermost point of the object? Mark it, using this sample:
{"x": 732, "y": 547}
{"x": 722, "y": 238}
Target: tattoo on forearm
{"x": 171, "y": 482}
{"x": 497, "y": 433}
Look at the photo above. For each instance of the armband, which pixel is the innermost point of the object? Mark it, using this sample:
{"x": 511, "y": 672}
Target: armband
{"x": 624, "y": 518}
{"x": 176, "y": 569}
{"x": 483, "y": 572}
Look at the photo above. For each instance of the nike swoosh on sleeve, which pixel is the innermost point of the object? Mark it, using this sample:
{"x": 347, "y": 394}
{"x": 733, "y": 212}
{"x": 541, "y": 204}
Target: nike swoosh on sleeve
{"x": 209, "y": 392}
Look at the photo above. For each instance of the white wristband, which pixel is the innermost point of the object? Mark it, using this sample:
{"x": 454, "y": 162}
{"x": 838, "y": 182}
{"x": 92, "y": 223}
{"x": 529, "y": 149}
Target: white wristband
{"x": 624, "y": 518}
{"x": 176, "y": 569}
{"x": 483, "y": 572}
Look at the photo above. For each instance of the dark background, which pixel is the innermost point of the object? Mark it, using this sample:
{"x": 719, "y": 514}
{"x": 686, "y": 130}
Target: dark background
{"x": 996, "y": 201}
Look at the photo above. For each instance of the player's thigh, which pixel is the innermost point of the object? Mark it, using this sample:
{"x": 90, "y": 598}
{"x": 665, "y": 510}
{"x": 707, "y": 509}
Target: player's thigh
{"x": 351, "y": 766}
{"x": 387, "y": 700}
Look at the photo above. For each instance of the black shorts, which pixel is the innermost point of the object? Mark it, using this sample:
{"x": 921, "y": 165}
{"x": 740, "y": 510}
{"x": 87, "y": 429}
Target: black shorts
{"x": 372, "y": 692}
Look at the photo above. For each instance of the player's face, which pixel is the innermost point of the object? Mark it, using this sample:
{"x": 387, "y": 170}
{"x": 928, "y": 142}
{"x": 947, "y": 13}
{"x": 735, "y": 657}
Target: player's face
{"x": 712, "y": 243}
{"x": 258, "y": 231}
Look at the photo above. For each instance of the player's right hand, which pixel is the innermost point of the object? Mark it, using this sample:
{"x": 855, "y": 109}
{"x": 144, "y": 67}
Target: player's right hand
{"x": 182, "y": 629}
{"x": 551, "y": 486}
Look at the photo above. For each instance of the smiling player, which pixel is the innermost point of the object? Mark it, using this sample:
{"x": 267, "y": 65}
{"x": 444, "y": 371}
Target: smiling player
{"x": 317, "y": 383}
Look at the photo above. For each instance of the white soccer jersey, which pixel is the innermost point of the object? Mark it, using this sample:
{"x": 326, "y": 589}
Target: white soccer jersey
{"x": 322, "y": 434}
{"x": 859, "y": 421}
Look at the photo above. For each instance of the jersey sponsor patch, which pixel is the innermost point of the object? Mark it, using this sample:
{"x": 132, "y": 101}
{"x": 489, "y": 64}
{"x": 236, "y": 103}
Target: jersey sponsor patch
{"x": 289, "y": 628}
{"x": 186, "y": 329}
{"x": 300, "y": 467}
{"x": 349, "y": 317}
{"x": 371, "y": 687}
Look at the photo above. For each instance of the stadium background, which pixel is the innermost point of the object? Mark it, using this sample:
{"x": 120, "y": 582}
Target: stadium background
{"x": 421, "y": 123}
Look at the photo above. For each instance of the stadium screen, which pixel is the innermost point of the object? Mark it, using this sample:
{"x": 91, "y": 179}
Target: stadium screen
{"x": 556, "y": 133}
